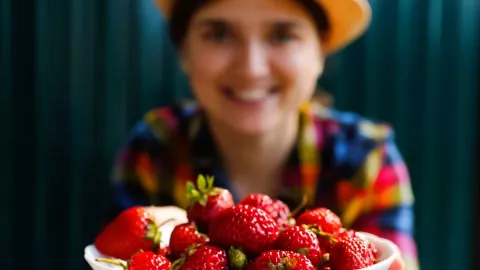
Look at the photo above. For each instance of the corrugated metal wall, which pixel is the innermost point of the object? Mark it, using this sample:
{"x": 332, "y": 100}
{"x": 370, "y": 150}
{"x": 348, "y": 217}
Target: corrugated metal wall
{"x": 76, "y": 74}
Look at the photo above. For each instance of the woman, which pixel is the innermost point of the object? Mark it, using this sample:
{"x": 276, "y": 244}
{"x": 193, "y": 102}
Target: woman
{"x": 253, "y": 67}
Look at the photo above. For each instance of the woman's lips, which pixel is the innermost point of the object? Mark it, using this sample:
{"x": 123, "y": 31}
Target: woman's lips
{"x": 250, "y": 96}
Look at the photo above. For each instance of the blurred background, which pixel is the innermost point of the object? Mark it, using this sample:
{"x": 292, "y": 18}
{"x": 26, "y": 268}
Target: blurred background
{"x": 76, "y": 74}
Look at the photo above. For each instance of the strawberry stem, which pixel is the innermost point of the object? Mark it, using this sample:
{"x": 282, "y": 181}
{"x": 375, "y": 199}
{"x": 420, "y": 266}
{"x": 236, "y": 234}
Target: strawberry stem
{"x": 325, "y": 259}
{"x": 237, "y": 259}
{"x": 318, "y": 231}
{"x": 285, "y": 263}
{"x": 116, "y": 262}
{"x": 303, "y": 251}
{"x": 178, "y": 263}
{"x": 201, "y": 192}
{"x": 154, "y": 233}
{"x": 299, "y": 207}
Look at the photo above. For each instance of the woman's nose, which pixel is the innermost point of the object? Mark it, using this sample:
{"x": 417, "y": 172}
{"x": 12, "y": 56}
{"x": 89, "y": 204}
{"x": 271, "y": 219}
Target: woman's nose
{"x": 252, "y": 60}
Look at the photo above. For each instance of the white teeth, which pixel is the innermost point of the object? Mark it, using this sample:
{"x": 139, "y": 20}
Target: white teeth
{"x": 254, "y": 95}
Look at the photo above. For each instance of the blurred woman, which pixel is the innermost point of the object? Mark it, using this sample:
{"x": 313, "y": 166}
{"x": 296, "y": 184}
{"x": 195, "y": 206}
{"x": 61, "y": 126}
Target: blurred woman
{"x": 253, "y": 67}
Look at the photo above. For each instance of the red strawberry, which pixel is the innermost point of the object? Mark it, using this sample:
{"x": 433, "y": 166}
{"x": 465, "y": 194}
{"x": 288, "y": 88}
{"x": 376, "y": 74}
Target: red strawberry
{"x": 206, "y": 201}
{"x": 281, "y": 259}
{"x": 284, "y": 218}
{"x": 316, "y": 256}
{"x": 374, "y": 251}
{"x": 276, "y": 209}
{"x": 131, "y": 231}
{"x": 326, "y": 239}
{"x": 302, "y": 240}
{"x": 350, "y": 253}
{"x": 327, "y": 220}
{"x": 183, "y": 236}
{"x": 146, "y": 260}
{"x": 204, "y": 257}
{"x": 343, "y": 233}
{"x": 164, "y": 251}
{"x": 244, "y": 226}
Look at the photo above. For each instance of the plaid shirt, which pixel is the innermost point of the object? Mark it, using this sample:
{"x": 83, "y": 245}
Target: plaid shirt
{"x": 341, "y": 161}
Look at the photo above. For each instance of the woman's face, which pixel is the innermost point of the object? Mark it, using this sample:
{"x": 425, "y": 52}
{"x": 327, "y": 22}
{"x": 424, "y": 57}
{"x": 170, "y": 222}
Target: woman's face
{"x": 252, "y": 63}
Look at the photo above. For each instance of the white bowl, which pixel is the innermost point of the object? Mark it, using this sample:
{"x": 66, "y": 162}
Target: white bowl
{"x": 91, "y": 252}
{"x": 387, "y": 252}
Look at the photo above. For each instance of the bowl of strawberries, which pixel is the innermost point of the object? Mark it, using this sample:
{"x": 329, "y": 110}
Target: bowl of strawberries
{"x": 257, "y": 233}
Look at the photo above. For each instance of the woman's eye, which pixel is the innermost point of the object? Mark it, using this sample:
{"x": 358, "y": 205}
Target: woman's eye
{"x": 219, "y": 35}
{"x": 281, "y": 37}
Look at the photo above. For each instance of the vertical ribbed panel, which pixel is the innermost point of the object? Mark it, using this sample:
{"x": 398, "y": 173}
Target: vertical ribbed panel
{"x": 17, "y": 129}
{"x": 76, "y": 74}
{"x": 52, "y": 118}
{"x": 6, "y": 130}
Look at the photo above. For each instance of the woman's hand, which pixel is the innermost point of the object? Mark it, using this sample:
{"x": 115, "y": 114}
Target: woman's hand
{"x": 398, "y": 264}
{"x": 164, "y": 213}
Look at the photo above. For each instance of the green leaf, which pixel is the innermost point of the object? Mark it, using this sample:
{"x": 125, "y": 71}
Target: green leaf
{"x": 201, "y": 182}
{"x": 202, "y": 200}
{"x": 214, "y": 192}
{"x": 210, "y": 180}
{"x": 189, "y": 187}
{"x": 195, "y": 194}
{"x": 193, "y": 197}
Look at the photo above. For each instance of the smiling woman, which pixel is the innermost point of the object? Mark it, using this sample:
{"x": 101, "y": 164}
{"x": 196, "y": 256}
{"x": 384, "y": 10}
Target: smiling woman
{"x": 256, "y": 69}
{"x": 253, "y": 67}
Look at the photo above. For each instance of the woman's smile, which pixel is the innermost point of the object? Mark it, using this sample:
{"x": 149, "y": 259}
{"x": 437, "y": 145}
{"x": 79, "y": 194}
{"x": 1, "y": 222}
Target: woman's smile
{"x": 251, "y": 97}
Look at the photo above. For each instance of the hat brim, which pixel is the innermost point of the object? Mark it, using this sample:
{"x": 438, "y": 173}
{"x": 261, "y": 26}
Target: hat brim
{"x": 348, "y": 20}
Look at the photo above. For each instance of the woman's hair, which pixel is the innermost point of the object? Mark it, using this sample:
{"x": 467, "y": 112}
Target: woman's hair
{"x": 183, "y": 11}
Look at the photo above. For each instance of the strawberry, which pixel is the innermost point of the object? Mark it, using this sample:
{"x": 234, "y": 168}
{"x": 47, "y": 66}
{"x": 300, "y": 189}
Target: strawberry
{"x": 204, "y": 257}
{"x": 343, "y": 233}
{"x": 276, "y": 209}
{"x": 350, "y": 253}
{"x": 206, "y": 201}
{"x": 145, "y": 260}
{"x": 316, "y": 256}
{"x": 164, "y": 251}
{"x": 281, "y": 259}
{"x": 328, "y": 221}
{"x": 131, "y": 231}
{"x": 374, "y": 251}
{"x": 183, "y": 236}
{"x": 302, "y": 240}
{"x": 284, "y": 218}
{"x": 346, "y": 233}
{"x": 244, "y": 226}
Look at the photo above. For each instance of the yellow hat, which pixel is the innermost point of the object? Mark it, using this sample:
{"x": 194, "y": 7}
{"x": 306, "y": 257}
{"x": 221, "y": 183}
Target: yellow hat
{"x": 348, "y": 20}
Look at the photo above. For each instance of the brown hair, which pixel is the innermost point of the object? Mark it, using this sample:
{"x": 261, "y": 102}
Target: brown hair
{"x": 183, "y": 11}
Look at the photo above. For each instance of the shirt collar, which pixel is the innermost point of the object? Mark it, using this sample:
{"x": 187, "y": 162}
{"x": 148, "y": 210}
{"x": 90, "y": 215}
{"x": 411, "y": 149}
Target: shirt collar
{"x": 304, "y": 157}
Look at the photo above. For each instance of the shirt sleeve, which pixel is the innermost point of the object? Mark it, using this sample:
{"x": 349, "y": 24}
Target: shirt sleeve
{"x": 141, "y": 174}
{"x": 380, "y": 198}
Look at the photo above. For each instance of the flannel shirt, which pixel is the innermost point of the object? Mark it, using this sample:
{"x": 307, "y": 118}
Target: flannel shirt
{"x": 341, "y": 160}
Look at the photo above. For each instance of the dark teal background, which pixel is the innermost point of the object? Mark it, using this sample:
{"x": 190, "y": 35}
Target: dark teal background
{"x": 76, "y": 74}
